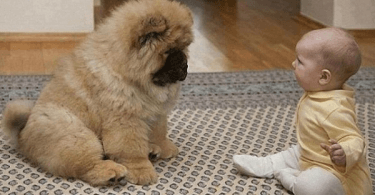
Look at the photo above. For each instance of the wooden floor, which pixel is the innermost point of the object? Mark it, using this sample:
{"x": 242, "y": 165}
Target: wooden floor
{"x": 230, "y": 35}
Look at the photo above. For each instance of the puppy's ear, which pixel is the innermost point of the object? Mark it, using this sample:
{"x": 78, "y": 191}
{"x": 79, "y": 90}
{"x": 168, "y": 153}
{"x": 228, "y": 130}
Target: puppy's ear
{"x": 153, "y": 28}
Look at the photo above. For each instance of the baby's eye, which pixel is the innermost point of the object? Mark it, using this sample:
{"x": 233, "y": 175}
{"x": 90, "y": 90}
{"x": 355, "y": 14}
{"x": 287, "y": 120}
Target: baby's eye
{"x": 298, "y": 62}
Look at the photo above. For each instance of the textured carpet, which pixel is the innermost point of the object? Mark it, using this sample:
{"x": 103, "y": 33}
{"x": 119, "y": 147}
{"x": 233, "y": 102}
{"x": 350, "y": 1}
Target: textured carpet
{"x": 218, "y": 115}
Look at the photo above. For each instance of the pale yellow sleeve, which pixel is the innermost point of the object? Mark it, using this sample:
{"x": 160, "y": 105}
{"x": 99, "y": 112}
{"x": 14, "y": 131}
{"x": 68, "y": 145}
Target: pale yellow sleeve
{"x": 341, "y": 126}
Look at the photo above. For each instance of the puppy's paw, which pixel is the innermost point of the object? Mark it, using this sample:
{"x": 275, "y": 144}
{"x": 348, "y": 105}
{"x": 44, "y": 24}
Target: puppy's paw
{"x": 141, "y": 173}
{"x": 105, "y": 173}
{"x": 168, "y": 149}
{"x": 155, "y": 152}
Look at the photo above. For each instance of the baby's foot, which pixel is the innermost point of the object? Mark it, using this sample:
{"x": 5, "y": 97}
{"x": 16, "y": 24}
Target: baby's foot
{"x": 287, "y": 177}
{"x": 253, "y": 166}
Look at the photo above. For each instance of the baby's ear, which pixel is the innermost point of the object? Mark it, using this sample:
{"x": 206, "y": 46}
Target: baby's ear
{"x": 325, "y": 77}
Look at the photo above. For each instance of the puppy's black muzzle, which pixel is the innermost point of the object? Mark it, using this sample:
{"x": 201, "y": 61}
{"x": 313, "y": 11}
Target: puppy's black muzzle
{"x": 174, "y": 69}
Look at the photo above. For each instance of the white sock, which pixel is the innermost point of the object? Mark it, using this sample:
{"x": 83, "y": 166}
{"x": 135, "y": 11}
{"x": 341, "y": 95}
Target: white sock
{"x": 253, "y": 166}
{"x": 287, "y": 177}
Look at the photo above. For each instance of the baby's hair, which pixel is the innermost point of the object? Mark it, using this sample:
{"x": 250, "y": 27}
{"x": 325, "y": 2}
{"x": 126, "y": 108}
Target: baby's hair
{"x": 341, "y": 54}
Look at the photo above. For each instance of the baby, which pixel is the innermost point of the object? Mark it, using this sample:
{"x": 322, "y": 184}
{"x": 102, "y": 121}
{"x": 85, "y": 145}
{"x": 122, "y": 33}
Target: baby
{"x": 330, "y": 157}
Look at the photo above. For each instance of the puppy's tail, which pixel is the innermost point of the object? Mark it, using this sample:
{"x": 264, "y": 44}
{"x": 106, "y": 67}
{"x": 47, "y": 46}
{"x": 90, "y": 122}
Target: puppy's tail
{"x": 15, "y": 116}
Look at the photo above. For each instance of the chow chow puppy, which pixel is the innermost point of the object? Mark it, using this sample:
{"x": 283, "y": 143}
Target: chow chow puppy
{"x": 105, "y": 109}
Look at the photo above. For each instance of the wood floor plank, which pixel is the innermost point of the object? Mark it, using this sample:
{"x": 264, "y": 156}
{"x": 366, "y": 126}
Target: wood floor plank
{"x": 52, "y": 51}
{"x": 230, "y": 35}
{"x": 24, "y": 58}
{"x": 4, "y": 54}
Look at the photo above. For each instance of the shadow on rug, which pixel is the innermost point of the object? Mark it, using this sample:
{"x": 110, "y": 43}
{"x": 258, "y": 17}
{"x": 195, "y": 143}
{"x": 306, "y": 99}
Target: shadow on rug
{"x": 218, "y": 115}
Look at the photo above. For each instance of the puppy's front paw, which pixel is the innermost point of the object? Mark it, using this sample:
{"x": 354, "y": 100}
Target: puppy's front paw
{"x": 155, "y": 152}
{"x": 105, "y": 173}
{"x": 168, "y": 149}
{"x": 141, "y": 173}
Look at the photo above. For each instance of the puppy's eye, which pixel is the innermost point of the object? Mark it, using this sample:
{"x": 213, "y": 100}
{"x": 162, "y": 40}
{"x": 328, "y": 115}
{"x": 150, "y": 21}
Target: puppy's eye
{"x": 144, "y": 39}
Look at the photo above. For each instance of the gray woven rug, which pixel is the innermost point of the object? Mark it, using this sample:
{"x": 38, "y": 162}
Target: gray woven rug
{"x": 218, "y": 115}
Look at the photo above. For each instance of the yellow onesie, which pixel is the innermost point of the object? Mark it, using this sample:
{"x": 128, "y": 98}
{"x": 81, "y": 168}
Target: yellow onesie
{"x": 331, "y": 115}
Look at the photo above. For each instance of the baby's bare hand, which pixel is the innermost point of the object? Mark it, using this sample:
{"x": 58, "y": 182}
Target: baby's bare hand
{"x": 336, "y": 152}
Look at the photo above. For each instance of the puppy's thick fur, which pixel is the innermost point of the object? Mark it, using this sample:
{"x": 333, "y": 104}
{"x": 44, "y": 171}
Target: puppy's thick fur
{"x": 105, "y": 109}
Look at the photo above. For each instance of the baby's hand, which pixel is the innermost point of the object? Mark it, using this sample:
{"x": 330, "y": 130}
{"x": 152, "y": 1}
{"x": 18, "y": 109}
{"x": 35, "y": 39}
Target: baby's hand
{"x": 336, "y": 152}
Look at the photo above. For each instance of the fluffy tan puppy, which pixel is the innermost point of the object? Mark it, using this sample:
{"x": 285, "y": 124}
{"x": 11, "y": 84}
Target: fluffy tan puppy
{"x": 105, "y": 109}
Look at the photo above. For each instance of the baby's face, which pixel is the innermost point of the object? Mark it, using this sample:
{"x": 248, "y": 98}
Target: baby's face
{"x": 308, "y": 66}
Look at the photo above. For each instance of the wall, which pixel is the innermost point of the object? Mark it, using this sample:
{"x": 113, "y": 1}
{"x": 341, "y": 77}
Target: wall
{"x": 39, "y": 16}
{"x": 357, "y": 14}
{"x": 348, "y": 14}
{"x": 318, "y": 10}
